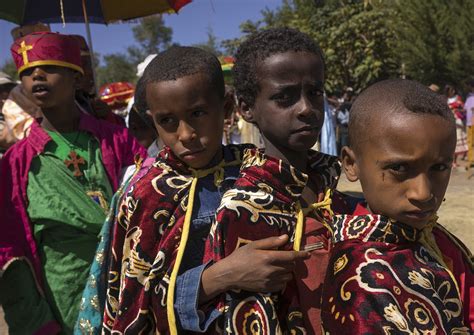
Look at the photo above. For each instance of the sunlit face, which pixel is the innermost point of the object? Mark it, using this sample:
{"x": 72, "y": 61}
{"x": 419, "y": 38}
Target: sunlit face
{"x": 189, "y": 116}
{"x": 288, "y": 108}
{"x": 404, "y": 165}
{"x": 50, "y": 86}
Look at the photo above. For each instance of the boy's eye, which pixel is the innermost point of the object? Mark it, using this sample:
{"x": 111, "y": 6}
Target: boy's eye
{"x": 286, "y": 98}
{"x": 440, "y": 167}
{"x": 166, "y": 120}
{"x": 398, "y": 168}
{"x": 316, "y": 92}
{"x": 198, "y": 113}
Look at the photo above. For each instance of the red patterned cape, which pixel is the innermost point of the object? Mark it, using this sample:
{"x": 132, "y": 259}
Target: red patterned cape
{"x": 385, "y": 277}
{"x": 264, "y": 202}
{"x": 149, "y": 238}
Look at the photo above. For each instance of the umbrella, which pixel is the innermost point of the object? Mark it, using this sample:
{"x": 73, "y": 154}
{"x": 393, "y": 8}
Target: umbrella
{"x": 23, "y": 12}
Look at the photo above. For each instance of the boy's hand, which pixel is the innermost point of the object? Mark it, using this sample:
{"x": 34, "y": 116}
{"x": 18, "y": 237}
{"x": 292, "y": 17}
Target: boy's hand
{"x": 256, "y": 267}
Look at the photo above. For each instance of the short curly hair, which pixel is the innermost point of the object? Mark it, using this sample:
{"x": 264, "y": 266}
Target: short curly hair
{"x": 177, "y": 62}
{"x": 261, "y": 45}
{"x": 399, "y": 96}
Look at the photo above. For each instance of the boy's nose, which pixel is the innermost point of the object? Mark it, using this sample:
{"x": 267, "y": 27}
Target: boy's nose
{"x": 186, "y": 133}
{"x": 306, "y": 107}
{"x": 420, "y": 189}
{"x": 38, "y": 73}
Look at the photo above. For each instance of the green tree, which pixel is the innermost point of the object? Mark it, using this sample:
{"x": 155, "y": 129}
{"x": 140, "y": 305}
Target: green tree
{"x": 211, "y": 44}
{"x": 152, "y": 36}
{"x": 354, "y": 36}
{"x": 436, "y": 39}
{"x": 117, "y": 67}
{"x": 9, "y": 68}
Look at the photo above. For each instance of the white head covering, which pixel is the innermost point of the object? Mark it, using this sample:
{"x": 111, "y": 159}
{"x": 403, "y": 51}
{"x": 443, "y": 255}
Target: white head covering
{"x": 142, "y": 66}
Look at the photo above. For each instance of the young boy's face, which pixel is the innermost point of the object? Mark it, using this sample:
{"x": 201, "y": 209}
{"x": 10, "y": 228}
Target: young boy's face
{"x": 189, "y": 116}
{"x": 288, "y": 108}
{"x": 404, "y": 165}
{"x": 50, "y": 86}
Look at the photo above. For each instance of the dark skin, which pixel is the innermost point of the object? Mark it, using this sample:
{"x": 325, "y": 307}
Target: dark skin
{"x": 187, "y": 113}
{"x": 52, "y": 88}
{"x": 403, "y": 165}
{"x": 289, "y": 112}
{"x": 289, "y": 108}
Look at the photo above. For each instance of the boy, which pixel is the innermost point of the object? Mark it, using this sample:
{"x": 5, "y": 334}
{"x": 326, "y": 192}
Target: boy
{"x": 393, "y": 268}
{"x": 164, "y": 220}
{"x": 279, "y": 80}
{"x": 55, "y": 185}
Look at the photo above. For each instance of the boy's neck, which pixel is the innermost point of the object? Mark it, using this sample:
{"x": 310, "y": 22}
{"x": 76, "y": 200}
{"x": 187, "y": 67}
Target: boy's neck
{"x": 295, "y": 159}
{"x": 61, "y": 119}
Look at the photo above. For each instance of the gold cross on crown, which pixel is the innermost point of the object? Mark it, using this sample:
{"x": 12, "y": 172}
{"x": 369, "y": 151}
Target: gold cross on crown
{"x": 23, "y": 50}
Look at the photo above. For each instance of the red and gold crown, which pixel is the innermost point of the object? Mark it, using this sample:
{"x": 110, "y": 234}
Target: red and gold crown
{"x": 46, "y": 48}
{"x": 118, "y": 94}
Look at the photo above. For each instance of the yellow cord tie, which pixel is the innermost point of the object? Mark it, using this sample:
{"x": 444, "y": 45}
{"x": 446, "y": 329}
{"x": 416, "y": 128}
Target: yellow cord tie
{"x": 218, "y": 171}
{"x": 428, "y": 241}
{"x": 302, "y": 213}
{"x": 179, "y": 257}
{"x": 299, "y": 227}
{"x": 324, "y": 204}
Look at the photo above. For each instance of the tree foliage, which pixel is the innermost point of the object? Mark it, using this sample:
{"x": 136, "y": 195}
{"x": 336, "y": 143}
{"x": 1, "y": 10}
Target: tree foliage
{"x": 436, "y": 39}
{"x": 9, "y": 68}
{"x": 368, "y": 40}
{"x": 357, "y": 44}
{"x": 211, "y": 45}
{"x": 117, "y": 67}
{"x": 151, "y": 36}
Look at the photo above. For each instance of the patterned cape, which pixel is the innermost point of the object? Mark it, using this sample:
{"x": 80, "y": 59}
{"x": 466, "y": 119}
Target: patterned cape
{"x": 149, "y": 239}
{"x": 92, "y": 305}
{"x": 385, "y": 277}
{"x": 265, "y": 202}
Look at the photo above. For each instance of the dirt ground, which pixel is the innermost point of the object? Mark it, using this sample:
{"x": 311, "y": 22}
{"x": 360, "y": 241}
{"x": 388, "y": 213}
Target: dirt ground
{"x": 456, "y": 213}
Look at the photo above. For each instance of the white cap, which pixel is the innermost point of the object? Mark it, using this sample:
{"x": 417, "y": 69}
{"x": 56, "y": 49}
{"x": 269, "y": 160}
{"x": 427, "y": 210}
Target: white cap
{"x": 5, "y": 79}
{"x": 142, "y": 66}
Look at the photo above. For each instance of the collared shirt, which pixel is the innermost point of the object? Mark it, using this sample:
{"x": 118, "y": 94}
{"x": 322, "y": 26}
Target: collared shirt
{"x": 189, "y": 280}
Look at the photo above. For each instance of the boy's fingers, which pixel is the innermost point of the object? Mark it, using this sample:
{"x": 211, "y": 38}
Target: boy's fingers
{"x": 279, "y": 256}
{"x": 269, "y": 243}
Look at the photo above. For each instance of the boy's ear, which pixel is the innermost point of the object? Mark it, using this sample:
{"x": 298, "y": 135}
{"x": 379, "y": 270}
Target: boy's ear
{"x": 245, "y": 110}
{"x": 349, "y": 164}
{"x": 77, "y": 79}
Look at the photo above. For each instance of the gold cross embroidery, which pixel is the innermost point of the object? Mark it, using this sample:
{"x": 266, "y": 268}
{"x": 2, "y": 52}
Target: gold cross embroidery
{"x": 23, "y": 50}
{"x": 75, "y": 161}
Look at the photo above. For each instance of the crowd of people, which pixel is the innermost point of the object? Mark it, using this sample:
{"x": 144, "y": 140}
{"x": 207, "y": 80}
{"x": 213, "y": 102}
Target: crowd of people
{"x": 212, "y": 207}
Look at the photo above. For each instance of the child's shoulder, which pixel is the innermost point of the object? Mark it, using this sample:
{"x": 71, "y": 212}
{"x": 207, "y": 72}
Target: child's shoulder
{"x": 326, "y": 166}
{"x": 452, "y": 246}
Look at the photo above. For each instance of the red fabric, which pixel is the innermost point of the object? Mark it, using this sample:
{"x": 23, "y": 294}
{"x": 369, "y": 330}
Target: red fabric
{"x": 145, "y": 242}
{"x": 118, "y": 149}
{"x": 261, "y": 204}
{"x": 47, "y": 47}
{"x": 460, "y": 260}
{"x": 381, "y": 279}
{"x": 48, "y": 329}
{"x": 178, "y": 4}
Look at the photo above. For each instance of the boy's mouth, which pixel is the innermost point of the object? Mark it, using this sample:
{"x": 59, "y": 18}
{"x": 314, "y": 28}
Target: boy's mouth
{"x": 190, "y": 154}
{"x": 305, "y": 129}
{"x": 419, "y": 215}
{"x": 40, "y": 90}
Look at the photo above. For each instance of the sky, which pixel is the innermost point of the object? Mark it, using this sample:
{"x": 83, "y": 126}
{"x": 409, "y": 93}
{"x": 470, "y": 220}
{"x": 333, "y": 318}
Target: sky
{"x": 190, "y": 25}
